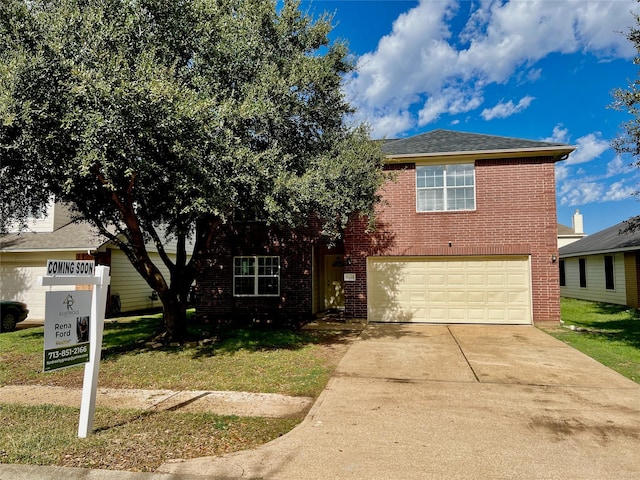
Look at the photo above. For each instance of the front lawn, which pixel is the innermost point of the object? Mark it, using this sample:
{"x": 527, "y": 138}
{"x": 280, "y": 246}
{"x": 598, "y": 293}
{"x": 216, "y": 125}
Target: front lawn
{"x": 608, "y": 333}
{"x": 283, "y": 361}
{"x": 261, "y": 360}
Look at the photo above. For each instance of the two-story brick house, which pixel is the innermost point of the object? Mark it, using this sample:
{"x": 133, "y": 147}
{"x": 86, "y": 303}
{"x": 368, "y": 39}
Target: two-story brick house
{"x": 467, "y": 233}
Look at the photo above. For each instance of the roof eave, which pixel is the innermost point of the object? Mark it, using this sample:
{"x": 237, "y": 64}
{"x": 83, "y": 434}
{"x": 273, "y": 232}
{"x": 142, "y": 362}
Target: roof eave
{"x": 559, "y": 153}
{"x": 41, "y": 250}
{"x": 601, "y": 252}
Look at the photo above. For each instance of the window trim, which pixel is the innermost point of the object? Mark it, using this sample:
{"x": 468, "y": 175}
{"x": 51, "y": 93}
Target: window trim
{"x": 446, "y": 188}
{"x": 256, "y": 276}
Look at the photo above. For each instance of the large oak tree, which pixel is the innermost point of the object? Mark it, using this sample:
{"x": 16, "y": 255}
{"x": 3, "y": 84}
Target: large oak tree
{"x": 154, "y": 115}
{"x": 629, "y": 100}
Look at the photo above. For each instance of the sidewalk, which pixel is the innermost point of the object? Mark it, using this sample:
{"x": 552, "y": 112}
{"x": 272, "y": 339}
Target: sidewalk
{"x": 242, "y": 404}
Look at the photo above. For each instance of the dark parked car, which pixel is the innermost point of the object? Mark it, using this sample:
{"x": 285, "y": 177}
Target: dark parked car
{"x": 11, "y": 312}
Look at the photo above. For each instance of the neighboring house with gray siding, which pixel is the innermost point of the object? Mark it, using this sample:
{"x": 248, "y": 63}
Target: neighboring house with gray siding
{"x": 603, "y": 267}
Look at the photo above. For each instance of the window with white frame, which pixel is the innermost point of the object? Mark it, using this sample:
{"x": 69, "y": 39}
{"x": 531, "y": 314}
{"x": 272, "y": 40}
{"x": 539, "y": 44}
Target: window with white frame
{"x": 256, "y": 276}
{"x": 441, "y": 188}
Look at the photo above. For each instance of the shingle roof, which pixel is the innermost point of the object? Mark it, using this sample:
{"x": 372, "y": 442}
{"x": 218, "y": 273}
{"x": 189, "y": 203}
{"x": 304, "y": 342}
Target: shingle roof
{"x": 448, "y": 141}
{"x": 565, "y": 230}
{"x": 73, "y": 236}
{"x": 607, "y": 240}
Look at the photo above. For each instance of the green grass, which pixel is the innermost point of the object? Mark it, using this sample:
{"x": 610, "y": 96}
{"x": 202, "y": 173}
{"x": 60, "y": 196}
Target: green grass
{"x": 284, "y": 361}
{"x": 126, "y": 439}
{"x": 608, "y": 333}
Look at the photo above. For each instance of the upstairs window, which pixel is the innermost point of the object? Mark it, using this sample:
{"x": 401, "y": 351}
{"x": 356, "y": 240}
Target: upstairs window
{"x": 256, "y": 276}
{"x": 442, "y": 188}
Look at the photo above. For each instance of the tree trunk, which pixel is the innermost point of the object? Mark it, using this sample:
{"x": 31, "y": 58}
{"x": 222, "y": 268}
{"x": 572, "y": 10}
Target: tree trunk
{"x": 175, "y": 318}
{"x": 175, "y": 300}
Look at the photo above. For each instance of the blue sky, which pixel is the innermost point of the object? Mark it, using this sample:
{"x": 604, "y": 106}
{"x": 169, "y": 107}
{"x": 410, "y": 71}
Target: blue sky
{"x": 541, "y": 70}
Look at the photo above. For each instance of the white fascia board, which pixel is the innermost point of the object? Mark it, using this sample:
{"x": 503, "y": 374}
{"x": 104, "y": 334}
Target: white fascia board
{"x": 557, "y": 152}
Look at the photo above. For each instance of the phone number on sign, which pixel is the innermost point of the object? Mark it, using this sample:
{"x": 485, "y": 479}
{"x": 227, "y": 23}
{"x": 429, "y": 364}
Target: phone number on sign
{"x": 67, "y": 352}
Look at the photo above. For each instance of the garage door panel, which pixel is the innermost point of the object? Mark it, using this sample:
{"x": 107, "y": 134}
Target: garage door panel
{"x": 457, "y": 297}
{"x": 449, "y": 290}
{"x": 437, "y": 296}
{"x": 476, "y": 315}
{"x": 498, "y": 297}
{"x": 437, "y": 315}
{"x": 456, "y": 315}
{"x": 475, "y": 297}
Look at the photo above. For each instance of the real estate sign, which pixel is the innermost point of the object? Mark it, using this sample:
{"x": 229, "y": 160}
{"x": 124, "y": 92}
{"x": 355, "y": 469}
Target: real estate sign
{"x": 70, "y": 268}
{"x": 66, "y": 328}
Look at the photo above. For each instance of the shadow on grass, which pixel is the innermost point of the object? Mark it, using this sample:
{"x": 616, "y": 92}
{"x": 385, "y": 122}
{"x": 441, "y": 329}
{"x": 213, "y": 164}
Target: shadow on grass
{"x": 133, "y": 337}
{"x": 257, "y": 339}
{"x": 615, "y": 322}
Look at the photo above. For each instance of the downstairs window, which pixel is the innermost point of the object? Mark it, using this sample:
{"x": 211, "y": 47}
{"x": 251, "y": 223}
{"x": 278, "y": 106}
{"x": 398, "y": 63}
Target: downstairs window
{"x": 256, "y": 276}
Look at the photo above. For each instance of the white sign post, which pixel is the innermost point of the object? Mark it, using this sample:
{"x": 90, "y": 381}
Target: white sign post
{"x": 80, "y": 272}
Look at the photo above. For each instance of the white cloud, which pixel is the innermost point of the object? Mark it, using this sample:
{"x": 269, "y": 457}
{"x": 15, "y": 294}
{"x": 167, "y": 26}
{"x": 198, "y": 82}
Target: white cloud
{"x": 562, "y": 172}
{"x": 589, "y": 147}
{"x": 504, "y": 110}
{"x": 392, "y": 123}
{"x": 421, "y": 62}
{"x": 451, "y": 100}
{"x": 534, "y": 75}
{"x": 559, "y": 135}
{"x": 414, "y": 58}
{"x": 618, "y": 166}
{"x": 577, "y": 192}
{"x": 580, "y": 191}
{"x": 618, "y": 191}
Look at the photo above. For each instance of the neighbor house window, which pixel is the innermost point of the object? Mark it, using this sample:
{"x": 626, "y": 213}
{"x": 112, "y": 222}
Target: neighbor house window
{"x": 582, "y": 265}
{"x": 608, "y": 272}
{"x": 563, "y": 275}
{"x": 442, "y": 188}
{"x": 256, "y": 276}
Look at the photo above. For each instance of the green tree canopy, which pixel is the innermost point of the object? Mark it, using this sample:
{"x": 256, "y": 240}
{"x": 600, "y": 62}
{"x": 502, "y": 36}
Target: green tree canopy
{"x": 148, "y": 115}
{"x": 629, "y": 100}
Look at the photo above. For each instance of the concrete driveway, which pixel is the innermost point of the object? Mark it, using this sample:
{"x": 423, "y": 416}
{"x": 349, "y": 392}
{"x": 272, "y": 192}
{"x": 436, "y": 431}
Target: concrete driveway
{"x": 455, "y": 402}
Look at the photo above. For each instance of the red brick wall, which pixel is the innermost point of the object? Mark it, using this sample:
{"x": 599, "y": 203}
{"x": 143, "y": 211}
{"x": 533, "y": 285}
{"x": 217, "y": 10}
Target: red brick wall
{"x": 515, "y": 214}
{"x": 215, "y": 298}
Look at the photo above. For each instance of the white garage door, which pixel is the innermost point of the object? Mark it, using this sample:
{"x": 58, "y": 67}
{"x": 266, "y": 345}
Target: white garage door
{"x": 493, "y": 290}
